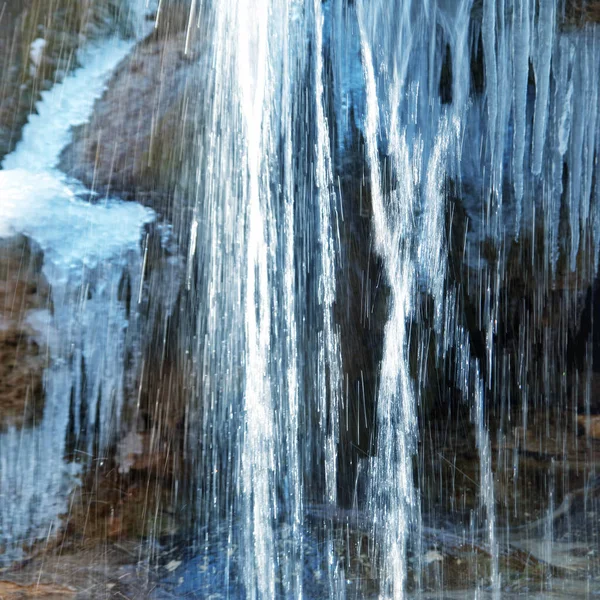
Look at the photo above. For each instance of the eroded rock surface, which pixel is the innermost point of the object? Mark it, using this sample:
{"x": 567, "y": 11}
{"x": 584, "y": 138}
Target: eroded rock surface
{"x": 135, "y": 144}
{"x": 23, "y": 293}
{"x": 38, "y": 45}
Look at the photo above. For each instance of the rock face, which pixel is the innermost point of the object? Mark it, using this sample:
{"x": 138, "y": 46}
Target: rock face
{"x": 135, "y": 143}
{"x": 23, "y": 292}
{"x": 38, "y": 44}
{"x": 579, "y": 12}
{"x": 12, "y": 96}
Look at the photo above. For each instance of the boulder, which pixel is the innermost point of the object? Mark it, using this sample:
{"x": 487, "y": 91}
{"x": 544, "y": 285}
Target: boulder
{"x": 135, "y": 144}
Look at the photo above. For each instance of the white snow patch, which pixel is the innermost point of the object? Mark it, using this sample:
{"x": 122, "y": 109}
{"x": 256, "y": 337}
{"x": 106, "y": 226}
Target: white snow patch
{"x": 70, "y": 231}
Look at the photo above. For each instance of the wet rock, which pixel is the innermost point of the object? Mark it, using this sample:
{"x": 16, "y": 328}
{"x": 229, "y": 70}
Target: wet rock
{"x": 361, "y": 311}
{"x": 135, "y": 144}
{"x": 13, "y": 591}
{"x": 100, "y": 572}
{"x": 591, "y": 425}
{"x": 137, "y": 506}
{"x": 136, "y": 147}
{"x": 12, "y": 96}
{"x": 38, "y": 44}
{"x": 580, "y": 12}
{"x": 24, "y": 293}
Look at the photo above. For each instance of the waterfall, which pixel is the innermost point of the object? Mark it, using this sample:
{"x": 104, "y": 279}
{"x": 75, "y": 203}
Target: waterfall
{"x": 407, "y": 74}
{"x": 408, "y": 184}
{"x": 457, "y": 103}
{"x": 251, "y": 259}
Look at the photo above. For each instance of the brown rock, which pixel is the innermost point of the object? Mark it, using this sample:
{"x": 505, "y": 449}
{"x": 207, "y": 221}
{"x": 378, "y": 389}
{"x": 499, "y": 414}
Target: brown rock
{"x": 579, "y": 12}
{"x": 591, "y": 425}
{"x": 62, "y": 25}
{"x": 135, "y": 144}
{"x": 14, "y": 591}
{"x": 23, "y": 289}
{"x": 135, "y": 147}
{"x": 12, "y": 114}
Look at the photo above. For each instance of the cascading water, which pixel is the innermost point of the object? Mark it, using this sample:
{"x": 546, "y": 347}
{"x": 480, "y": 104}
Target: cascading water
{"x": 456, "y": 139}
{"x": 426, "y": 129}
{"x": 254, "y": 222}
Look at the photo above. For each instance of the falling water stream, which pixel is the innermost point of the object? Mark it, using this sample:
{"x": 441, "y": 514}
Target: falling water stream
{"x": 454, "y": 143}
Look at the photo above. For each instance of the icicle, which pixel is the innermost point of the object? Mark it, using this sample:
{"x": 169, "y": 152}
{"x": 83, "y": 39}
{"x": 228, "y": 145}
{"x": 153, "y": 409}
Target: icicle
{"x": 591, "y": 73}
{"x": 575, "y": 154}
{"x": 542, "y": 59}
{"x": 521, "y": 26}
{"x": 564, "y": 94}
{"x": 324, "y": 183}
{"x": 258, "y": 458}
{"x": 488, "y": 32}
{"x": 432, "y": 244}
{"x": 392, "y": 495}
